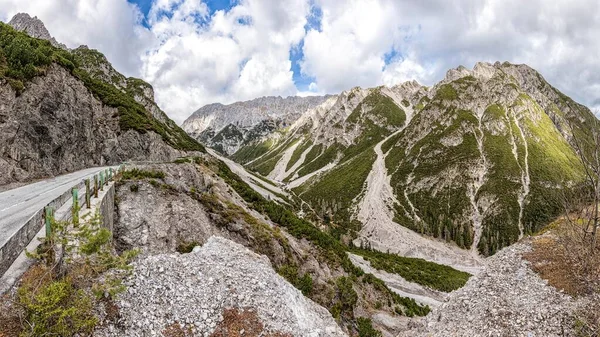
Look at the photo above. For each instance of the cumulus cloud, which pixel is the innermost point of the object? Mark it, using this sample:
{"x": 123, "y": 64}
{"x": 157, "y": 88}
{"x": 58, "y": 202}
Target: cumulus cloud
{"x": 234, "y": 55}
{"x": 194, "y": 55}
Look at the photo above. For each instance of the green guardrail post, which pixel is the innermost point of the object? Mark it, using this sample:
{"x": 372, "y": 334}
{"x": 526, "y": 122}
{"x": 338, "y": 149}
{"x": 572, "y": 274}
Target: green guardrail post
{"x": 95, "y": 186}
{"x": 75, "y": 207}
{"x": 111, "y": 173}
{"x": 101, "y": 181}
{"x": 106, "y": 177}
{"x": 88, "y": 194}
{"x": 48, "y": 217}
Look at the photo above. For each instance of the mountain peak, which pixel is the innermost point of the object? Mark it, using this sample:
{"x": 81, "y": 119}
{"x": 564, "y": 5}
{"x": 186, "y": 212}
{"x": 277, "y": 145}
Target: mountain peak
{"x": 34, "y": 27}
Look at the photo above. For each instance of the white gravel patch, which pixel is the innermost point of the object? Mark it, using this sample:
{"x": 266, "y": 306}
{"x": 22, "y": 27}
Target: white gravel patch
{"x": 194, "y": 289}
{"x": 506, "y": 298}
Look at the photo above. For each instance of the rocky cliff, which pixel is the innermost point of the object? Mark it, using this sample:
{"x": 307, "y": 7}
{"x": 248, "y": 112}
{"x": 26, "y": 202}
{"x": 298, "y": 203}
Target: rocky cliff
{"x": 61, "y": 113}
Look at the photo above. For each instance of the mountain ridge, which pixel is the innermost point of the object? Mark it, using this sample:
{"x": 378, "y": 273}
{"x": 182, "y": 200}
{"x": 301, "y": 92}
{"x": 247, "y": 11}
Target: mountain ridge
{"x": 481, "y": 127}
{"x": 225, "y": 128}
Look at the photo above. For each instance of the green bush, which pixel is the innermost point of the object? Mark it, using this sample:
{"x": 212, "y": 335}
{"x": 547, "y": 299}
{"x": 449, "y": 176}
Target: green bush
{"x": 346, "y": 293}
{"x": 137, "y": 174}
{"x": 56, "y": 309}
{"x": 185, "y": 247}
{"x": 304, "y": 283}
{"x": 365, "y": 328}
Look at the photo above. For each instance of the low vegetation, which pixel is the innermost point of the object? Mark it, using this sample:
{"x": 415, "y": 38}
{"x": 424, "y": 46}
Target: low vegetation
{"x": 429, "y": 274}
{"x": 58, "y": 296}
{"x": 563, "y": 257}
{"x": 137, "y": 174}
{"x": 304, "y": 283}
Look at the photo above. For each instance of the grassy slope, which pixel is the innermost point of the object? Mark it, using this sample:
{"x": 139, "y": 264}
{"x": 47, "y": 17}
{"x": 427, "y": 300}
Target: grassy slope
{"x": 423, "y": 272}
{"x": 551, "y": 162}
{"x": 332, "y": 195}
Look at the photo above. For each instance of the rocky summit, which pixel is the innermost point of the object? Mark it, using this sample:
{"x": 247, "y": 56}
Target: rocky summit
{"x": 34, "y": 27}
{"x": 228, "y": 127}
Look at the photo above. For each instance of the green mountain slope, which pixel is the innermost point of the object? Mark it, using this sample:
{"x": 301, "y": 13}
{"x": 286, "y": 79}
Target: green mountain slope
{"x": 479, "y": 160}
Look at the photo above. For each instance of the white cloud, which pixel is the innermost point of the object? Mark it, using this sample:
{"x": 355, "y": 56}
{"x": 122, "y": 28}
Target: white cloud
{"x": 194, "y": 57}
{"x": 349, "y": 49}
{"x": 559, "y": 39}
{"x": 235, "y": 55}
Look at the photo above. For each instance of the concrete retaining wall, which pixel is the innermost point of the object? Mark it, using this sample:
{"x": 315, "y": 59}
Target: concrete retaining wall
{"x": 15, "y": 246}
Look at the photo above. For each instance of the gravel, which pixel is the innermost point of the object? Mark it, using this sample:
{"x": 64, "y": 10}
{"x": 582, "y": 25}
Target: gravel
{"x": 505, "y": 299}
{"x": 194, "y": 290}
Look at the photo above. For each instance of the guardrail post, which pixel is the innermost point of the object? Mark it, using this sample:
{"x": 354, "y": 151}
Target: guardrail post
{"x": 95, "y": 186}
{"x": 88, "y": 193}
{"x": 75, "y": 207}
{"x": 48, "y": 217}
{"x": 110, "y": 174}
{"x": 106, "y": 178}
{"x": 101, "y": 181}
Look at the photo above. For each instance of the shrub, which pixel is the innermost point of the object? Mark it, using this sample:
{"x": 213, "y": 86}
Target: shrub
{"x": 365, "y": 328}
{"x": 416, "y": 270}
{"x": 304, "y": 283}
{"x": 55, "y": 308}
{"x": 185, "y": 247}
{"x": 137, "y": 174}
{"x": 346, "y": 294}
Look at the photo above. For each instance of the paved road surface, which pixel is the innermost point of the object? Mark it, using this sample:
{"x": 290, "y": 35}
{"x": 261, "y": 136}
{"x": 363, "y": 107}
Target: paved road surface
{"x": 19, "y": 204}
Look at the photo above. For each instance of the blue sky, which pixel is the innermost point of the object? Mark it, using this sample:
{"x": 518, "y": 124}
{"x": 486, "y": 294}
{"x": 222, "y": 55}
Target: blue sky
{"x": 301, "y": 80}
{"x": 243, "y": 49}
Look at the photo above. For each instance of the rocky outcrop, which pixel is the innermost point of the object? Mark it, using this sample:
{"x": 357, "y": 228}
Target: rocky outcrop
{"x": 34, "y": 27}
{"x": 56, "y": 125}
{"x": 98, "y": 66}
{"x": 195, "y": 290}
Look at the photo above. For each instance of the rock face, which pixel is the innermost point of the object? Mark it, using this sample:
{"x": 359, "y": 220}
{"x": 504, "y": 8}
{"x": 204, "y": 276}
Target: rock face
{"x": 506, "y": 299}
{"x": 74, "y": 110}
{"x": 57, "y": 126}
{"x": 34, "y": 27}
{"x": 168, "y": 289}
{"x": 478, "y": 159}
{"x": 228, "y": 127}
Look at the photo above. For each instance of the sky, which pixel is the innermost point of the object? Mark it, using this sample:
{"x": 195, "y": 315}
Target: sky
{"x": 197, "y": 52}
